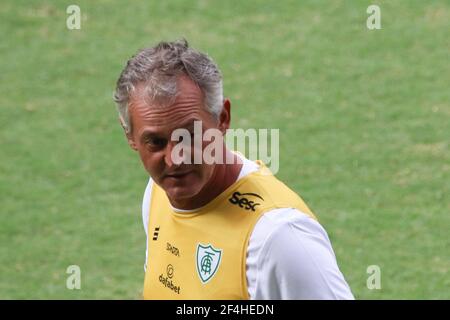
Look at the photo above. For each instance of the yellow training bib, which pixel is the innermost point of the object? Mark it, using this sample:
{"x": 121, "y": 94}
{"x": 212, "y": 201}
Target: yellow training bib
{"x": 202, "y": 254}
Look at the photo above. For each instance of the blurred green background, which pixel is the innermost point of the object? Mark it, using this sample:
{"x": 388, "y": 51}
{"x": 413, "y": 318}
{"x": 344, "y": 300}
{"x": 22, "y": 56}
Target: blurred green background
{"x": 364, "y": 119}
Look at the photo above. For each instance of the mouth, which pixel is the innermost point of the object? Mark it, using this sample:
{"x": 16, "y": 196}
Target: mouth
{"x": 178, "y": 175}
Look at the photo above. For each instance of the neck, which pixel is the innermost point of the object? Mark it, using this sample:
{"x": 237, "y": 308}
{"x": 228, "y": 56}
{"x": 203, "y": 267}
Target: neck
{"x": 224, "y": 175}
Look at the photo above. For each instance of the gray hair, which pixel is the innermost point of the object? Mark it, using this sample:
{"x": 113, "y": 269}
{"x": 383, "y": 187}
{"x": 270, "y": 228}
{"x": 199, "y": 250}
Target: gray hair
{"x": 158, "y": 68}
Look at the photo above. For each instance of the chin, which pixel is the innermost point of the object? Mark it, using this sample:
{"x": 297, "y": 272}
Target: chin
{"x": 181, "y": 193}
{"x": 181, "y": 189}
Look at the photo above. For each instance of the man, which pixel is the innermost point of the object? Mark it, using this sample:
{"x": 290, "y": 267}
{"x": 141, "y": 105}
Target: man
{"x": 222, "y": 230}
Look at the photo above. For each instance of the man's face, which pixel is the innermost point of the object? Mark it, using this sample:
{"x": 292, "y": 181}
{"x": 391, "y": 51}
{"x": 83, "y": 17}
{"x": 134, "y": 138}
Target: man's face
{"x": 152, "y": 127}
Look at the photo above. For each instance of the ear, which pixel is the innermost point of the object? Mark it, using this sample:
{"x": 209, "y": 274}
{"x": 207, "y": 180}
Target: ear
{"x": 225, "y": 116}
{"x": 129, "y": 135}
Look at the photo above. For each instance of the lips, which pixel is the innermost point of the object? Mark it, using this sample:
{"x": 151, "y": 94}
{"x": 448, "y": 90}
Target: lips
{"x": 178, "y": 174}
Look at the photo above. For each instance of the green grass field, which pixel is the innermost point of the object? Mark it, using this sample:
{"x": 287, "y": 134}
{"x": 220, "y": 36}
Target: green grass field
{"x": 364, "y": 119}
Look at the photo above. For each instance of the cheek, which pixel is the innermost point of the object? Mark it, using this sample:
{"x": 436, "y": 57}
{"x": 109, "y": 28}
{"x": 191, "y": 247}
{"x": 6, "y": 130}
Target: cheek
{"x": 151, "y": 162}
{"x": 207, "y": 172}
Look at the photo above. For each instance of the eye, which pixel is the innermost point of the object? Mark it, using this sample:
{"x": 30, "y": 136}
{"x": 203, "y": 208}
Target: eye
{"x": 155, "y": 142}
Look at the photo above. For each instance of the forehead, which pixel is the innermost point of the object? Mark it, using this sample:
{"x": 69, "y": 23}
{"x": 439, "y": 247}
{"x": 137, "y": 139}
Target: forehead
{"x": 188, "y": 105}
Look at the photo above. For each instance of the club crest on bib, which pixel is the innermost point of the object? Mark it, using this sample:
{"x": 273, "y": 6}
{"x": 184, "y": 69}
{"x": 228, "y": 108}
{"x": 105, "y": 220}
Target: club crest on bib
{"x": 208, "y": 261}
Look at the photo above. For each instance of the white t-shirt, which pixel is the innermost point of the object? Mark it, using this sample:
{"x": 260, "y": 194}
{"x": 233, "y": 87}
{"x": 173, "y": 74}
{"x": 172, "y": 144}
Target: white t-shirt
{"x": 289, "y": 255}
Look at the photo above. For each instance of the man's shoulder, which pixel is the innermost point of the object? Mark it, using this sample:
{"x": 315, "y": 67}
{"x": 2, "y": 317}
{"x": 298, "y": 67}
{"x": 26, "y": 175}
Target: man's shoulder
{"x": 277, "y": 222}
{"x": 148, "y": 189}
{"x": 146, "y": 203}
{"x": 274, "y": 192}
{"x": 294, "y": 255}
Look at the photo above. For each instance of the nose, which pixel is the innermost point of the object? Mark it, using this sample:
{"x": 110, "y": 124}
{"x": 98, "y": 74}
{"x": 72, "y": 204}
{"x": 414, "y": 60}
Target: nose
{"x": 168, "y": 154}
{"x": 177, "y": 153}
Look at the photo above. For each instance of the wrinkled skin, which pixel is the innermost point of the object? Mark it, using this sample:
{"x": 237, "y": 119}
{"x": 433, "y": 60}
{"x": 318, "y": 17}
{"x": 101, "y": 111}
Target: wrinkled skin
{"x": 187, "y": 186}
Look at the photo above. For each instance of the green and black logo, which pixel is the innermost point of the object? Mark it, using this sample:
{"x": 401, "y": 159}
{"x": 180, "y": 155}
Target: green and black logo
{"x": 208, "y": 261}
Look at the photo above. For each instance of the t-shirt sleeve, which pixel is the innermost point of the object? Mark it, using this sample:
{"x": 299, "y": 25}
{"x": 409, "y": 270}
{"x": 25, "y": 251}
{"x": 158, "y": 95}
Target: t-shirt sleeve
{"x": 294, "y": 260}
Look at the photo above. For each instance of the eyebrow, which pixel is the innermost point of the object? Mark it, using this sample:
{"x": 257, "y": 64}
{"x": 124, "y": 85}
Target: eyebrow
{"x": 188, "y": 125}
